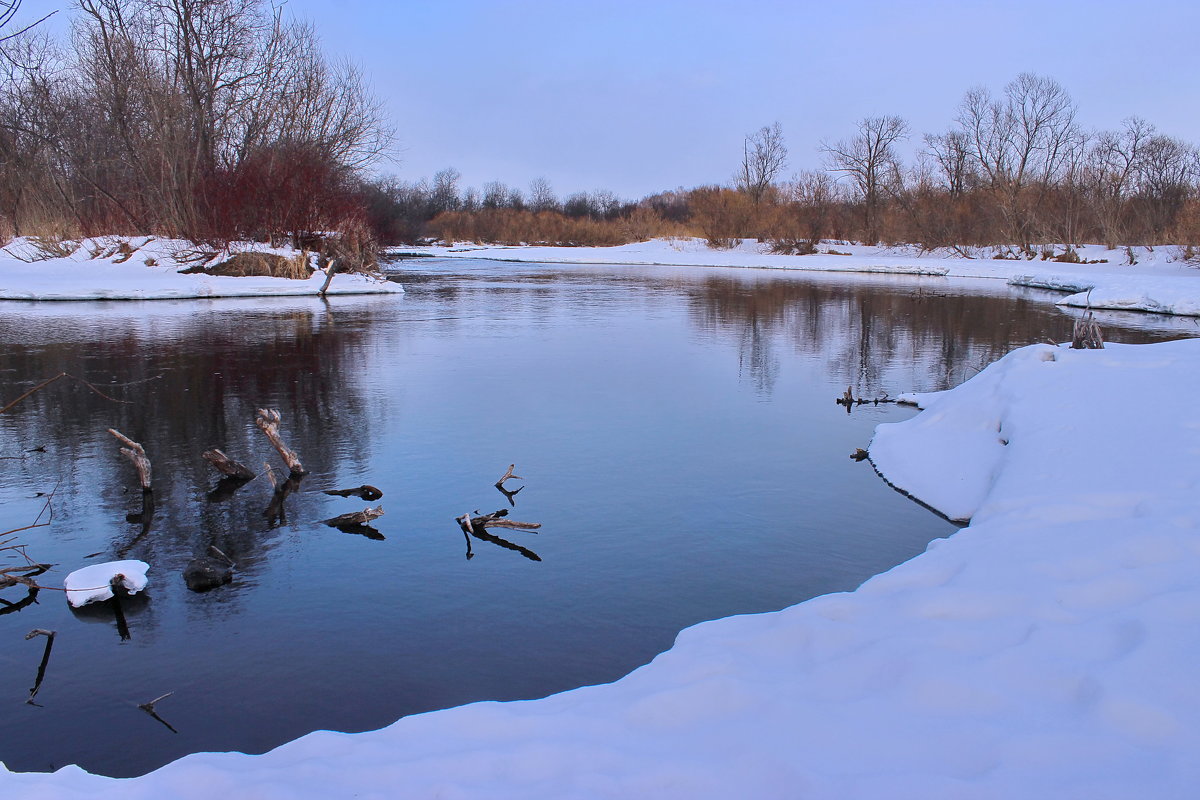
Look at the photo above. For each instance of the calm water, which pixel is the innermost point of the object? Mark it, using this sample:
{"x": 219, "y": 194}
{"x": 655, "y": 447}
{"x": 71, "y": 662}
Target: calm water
{"x": 676, "y": 430}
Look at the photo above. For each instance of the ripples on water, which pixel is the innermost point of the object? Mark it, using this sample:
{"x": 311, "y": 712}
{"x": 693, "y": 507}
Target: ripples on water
{"x": 676, "y": 428}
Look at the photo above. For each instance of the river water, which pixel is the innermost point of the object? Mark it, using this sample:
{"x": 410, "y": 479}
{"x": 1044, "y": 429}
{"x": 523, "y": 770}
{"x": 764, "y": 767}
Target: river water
{"x": 675, "y": 429}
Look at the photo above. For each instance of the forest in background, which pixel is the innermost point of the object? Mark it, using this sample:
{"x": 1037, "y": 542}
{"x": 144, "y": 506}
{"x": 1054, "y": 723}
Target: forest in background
{"x": 222, "y": 120}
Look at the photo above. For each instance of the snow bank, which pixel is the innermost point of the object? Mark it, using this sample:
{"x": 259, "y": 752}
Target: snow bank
{"x": 95, "y": 270}
{"x": 1158, "y": 282}
{"x": 93, "y": 584}
{"x": 1048, "y": 650}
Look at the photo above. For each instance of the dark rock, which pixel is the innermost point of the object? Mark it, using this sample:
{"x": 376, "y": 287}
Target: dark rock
{"x": 202, "y": 574}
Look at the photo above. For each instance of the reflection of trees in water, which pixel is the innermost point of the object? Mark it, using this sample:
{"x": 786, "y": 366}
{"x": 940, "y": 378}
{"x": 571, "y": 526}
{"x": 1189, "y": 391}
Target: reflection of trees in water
{"x": 197, "y": 381}
{"x": 870, "y": 336}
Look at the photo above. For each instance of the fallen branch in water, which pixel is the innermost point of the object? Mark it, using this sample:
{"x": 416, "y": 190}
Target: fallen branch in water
{"x": 149, "y": 709}
{"x": 356, "y": 517}
{"x": 508, "y": 474}
{"x": 366, "y": 492}
{"x": 267, "y": 421}
{"x": 227, "y": 466}
{"x": 137, "y": 456}
{"x": 849, "y": 400}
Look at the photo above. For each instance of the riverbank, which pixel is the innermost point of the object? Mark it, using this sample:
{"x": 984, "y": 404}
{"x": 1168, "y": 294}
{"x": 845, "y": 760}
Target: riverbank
{"x": 149, "y": 269}
{"x": 1160, "y": 281}
{"x": 1046, "y": 649}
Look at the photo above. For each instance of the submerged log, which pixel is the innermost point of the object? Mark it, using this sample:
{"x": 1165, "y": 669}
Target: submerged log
{"x": 267, "y": 421}
{"x": 227, "y": 466}
{"x": 137, "y": 456}
{"x": 356, "y": 517}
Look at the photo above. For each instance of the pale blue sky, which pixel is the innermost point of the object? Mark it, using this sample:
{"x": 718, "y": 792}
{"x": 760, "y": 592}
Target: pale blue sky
{"x": 637, "y": 97}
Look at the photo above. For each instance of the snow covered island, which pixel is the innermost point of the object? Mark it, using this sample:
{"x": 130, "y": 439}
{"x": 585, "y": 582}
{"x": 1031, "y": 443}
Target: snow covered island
{"x": 145, "y": 268}
{"x": 1047, "y": 650}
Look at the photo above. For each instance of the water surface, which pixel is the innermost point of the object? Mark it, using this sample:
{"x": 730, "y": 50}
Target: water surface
{"x": 675, "y": 428}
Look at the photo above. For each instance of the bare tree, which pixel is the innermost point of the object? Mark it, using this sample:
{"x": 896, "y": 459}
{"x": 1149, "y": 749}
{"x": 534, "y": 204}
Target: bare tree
{"x": 951, "y": 152}
{"x": 764, "y": 155}
{"x": 541, "y": 196}
{"x": 1166, "y": 176}
{"x": 1020, "y": 142}
{"x": 444, "y": 196}
{"x": 1113, "y": 164}
{"x": 870, "y": 160}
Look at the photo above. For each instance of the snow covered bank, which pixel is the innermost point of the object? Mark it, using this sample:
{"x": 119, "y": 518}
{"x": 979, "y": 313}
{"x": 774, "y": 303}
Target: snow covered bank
{"x": 1047, "y": 650}
{"x": 1158, "y": 282}
{"x": 95, "y": 270}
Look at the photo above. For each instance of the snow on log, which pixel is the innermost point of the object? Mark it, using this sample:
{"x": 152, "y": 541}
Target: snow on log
{"x": 94, "y": 584}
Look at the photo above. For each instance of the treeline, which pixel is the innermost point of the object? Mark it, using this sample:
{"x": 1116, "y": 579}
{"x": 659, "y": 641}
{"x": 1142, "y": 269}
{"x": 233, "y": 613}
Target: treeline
{"x": 210, "y": 120}
{"x": 1013, "y": 171}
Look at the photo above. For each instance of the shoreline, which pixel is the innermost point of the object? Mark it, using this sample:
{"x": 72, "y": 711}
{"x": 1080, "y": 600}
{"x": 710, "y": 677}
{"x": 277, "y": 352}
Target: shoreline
{"x": 1157, "y": 283}
{"x": 99, "y": 270}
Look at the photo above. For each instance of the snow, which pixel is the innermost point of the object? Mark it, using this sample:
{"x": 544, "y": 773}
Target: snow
{"x": 93, "y": 584}
{"x": 1161, "y": 281}
{"x": 112, "y": 276}
{"x": 1047, "y": 650}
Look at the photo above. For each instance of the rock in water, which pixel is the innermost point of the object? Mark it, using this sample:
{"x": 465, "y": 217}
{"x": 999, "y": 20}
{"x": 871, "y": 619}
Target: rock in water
{"x": 202, "y": 574}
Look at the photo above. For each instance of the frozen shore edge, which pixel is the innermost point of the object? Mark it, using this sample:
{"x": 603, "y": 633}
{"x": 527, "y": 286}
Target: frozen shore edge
{"x": 1046, "y": 649}
{"x": 1158, "y": 283}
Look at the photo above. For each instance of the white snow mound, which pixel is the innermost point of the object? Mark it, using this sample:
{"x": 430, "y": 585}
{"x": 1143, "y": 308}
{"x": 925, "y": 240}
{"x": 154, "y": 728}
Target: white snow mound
{"x": 94, "y": 584}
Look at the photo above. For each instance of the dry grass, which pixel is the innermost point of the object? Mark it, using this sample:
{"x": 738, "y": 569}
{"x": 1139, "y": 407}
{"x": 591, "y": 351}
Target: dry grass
{"x": 267, "y": 265}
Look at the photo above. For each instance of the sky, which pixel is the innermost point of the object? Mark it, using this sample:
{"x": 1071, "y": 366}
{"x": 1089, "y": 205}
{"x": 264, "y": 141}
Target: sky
{"x": 640, "y": 97}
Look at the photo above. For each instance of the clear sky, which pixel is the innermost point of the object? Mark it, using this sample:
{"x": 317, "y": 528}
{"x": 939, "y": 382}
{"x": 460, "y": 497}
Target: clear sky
{"x": 637, "y": 97}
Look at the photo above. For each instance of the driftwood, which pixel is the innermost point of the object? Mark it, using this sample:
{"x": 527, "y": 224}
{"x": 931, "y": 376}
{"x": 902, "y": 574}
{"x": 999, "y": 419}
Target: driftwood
{"x": 356, "y": 517}
{"x": 267, "y": 421}
{"x": 227, "y": 466}
{"x": 849, "y": 400}
{"x": 149, "y": 709}
{"x": 508, "y": 474}
{"x": 366, "y": 492}
{"x": 475, "y": 526}
{"x": 497, "y": 519}
{"x": 137, "y": 456}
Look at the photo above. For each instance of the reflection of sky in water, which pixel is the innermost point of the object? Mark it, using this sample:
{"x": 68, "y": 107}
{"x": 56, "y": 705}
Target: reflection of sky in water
{"x": 676, "y": 427}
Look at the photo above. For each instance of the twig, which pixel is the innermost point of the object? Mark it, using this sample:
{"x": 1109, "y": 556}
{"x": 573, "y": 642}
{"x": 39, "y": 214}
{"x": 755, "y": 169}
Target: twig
{"x": 59, "y": 376}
